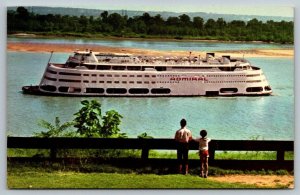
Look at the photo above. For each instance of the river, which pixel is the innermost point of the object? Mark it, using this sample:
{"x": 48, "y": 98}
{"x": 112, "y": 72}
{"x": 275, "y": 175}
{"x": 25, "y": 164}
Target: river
{"x": 268, "y": 118}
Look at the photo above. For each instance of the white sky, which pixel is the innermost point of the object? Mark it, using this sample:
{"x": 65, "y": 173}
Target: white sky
{"x": 254, "y": 7}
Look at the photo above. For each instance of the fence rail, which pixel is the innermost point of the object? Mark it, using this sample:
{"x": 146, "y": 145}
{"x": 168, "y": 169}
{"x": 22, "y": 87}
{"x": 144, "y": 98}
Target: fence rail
{"x": 54, "y": 144}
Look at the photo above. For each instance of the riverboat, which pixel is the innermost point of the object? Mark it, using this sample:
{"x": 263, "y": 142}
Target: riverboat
{"x": 89, "y": 73}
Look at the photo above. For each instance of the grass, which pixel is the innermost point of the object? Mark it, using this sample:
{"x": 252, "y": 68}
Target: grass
{"x": 236, "y": 155}
{"x": 45, "y": 180}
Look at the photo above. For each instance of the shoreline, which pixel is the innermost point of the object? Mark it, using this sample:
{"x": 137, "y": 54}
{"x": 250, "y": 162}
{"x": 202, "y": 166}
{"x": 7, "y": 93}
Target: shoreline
{"x": 69, "y": 48}
{"x": 149, "y": 38}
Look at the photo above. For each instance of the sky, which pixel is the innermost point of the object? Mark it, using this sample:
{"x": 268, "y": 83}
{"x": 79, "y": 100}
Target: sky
{"x": 239, "y": 7}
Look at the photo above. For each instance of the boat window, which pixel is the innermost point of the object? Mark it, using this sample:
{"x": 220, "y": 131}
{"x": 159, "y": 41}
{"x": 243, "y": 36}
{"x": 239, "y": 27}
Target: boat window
{"x": 119, "y": 67}
{"x": 86, "y": 75}
{"x": 134, "y": 68}
{"x": 69, "y": 73}
{"x": 212, "y": 93}
{"x": 139, "y": 82}
{"x": 102, "y": 67}
{"x": 228, "y": 90}
{"x": 116, "y": 90}
{"x": 85, "y": 81}
{"x": 160, "y": 91}
{"x": 124, "y": 75}
{"x": 94, "y": 75}
{"x": 139, "y": 75}
{"x": 48, "y": 88}
{"x": 51, "y": 71}
{"x": 254, "y": 89}
{"x": 148, "y": 68}
{"x": 71, "y": 81}
{"x": 254, "y": 81}
{"x": 94, "y": 90}
{"x": 49, "y": 78}
{"x": 138, "y": 91}
{"x": 74, "y": 90}
{"x": 101, "y": 75}
{"x": 63, "y": 89}
{"x": 161, "y": 68}
{"x": 252, "y": 75}
{"x": 91, "y": 67}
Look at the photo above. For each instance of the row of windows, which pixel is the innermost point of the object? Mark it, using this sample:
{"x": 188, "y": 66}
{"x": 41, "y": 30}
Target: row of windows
{"x": 254, "y": 81}
{"x": 253, "y": 75}
{"x": 110, "y": 75}
{"x": 230, "y": 75}
{"x": 145, "y": 82}
{"x": 224, "y": 81}
{"x": 65, "y": 89}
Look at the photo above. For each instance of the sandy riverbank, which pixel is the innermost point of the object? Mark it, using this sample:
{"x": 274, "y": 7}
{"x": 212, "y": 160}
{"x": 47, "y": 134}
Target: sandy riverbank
{"x": 68, "y": 48}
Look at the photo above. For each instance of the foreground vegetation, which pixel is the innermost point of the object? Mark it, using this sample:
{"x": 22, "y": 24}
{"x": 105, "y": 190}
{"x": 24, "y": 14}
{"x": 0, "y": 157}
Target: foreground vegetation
{"x": 107, "y": 181}
{"x": 85, "y": 173}
{"x": 55, "y": 175}
{"x": 146, "y": 26}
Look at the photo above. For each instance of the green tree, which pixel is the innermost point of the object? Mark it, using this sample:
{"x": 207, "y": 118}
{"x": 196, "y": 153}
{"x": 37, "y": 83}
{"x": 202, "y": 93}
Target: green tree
{"x": 198, "y": 23}
{"x": 88, "y": 119}
{"x": 90, "y": 123}
{"x": 55, "y": 130}
{"x": 111, "y": 122}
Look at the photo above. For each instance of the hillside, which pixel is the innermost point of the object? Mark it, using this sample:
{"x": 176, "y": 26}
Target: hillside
{"x": 130, "y": 13}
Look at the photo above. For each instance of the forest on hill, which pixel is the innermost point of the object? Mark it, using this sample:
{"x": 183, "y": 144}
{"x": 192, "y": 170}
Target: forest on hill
{"x": 147, "y": 26}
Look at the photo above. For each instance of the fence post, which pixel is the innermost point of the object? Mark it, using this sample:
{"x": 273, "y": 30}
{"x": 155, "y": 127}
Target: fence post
{"x": 280, "y": 155}
{"x": 212, "y": 154}
{"x": 53, "y": 152}
{"x": 145, "y": 153}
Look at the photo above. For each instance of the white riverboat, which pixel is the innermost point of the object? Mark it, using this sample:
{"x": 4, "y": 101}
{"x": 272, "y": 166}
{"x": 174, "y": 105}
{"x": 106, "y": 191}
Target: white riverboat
{"x": 89, "y": 73}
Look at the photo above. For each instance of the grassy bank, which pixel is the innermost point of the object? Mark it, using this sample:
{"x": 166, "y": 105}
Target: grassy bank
{"x": 55, "y": 175}
{"x": 228, "y": 155}
{"x": 108, "y": 181}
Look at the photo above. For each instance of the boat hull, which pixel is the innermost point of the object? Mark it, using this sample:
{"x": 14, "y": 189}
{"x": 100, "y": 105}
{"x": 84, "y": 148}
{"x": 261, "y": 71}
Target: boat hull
{"x": 35, "y": 90}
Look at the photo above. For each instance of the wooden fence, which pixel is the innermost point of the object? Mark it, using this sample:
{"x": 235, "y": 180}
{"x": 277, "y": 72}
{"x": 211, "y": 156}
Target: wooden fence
{"x": 54, "y": 144}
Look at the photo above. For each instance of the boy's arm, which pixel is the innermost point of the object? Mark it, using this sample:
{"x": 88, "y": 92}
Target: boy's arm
{"x": 190, "y": 136}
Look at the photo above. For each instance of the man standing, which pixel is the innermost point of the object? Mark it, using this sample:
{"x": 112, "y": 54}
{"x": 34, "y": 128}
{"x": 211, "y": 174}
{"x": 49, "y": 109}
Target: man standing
{"x": 183, "y": 136}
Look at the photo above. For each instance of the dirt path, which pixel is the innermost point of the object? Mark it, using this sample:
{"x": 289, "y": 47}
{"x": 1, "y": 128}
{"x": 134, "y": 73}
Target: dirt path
{"x": 43, "y": 47}
{"x": 269, "y": 181}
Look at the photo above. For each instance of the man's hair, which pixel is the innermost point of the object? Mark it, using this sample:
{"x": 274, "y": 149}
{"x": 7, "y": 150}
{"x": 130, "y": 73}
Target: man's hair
{"x": 183, "y": 123}
{"x": 203, "y": 133}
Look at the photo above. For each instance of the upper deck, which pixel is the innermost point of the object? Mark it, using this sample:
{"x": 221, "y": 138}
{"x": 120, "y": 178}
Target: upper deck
{"x": 104, "y": 61}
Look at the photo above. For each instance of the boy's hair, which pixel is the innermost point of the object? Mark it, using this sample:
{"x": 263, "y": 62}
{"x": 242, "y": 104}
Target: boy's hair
{"x": 203, "y": 133}
{"x": 183, "y": 123}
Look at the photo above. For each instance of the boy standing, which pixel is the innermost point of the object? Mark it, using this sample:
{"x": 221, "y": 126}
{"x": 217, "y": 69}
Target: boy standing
{"x": 203, "y": 153}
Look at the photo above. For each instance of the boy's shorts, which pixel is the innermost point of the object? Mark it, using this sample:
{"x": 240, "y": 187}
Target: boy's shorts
{"x": 204, "y": 153}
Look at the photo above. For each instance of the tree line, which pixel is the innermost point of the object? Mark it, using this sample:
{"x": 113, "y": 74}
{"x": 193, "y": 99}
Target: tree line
{"x": 143, "y": 26}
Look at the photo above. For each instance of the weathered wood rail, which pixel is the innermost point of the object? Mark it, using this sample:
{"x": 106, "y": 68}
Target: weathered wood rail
{"x": 54, "y": 144}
